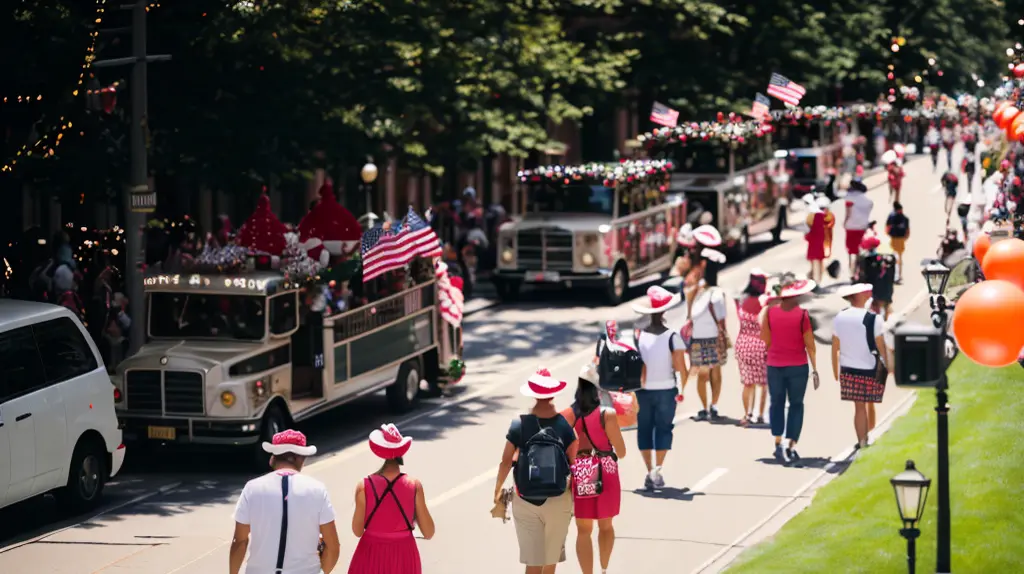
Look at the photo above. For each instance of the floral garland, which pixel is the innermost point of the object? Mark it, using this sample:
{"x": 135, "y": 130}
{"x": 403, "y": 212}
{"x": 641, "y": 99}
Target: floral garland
{"x": 624, "y": 172}
{"x": 734, "y": 132}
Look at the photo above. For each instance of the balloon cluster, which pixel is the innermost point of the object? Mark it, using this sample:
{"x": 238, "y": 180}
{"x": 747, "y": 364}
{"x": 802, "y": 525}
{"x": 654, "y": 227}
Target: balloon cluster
{"x": 988, "y": 317}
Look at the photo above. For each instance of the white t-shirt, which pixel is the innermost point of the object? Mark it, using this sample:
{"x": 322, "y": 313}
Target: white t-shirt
{"x": 657, "y": 356}
{"x": 704, "y": 325}
{"x": 260, "y": 505}
{"x": 849, "y": 327}
{"x": 858, "y": 207}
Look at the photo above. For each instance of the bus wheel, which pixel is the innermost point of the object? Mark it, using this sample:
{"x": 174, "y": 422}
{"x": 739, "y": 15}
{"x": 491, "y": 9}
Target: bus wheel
{"x": 780, "y": 226}
{"x": 274, "y": 421}
{"x": 618, "y": 285}
{"x": 405, "y": 391}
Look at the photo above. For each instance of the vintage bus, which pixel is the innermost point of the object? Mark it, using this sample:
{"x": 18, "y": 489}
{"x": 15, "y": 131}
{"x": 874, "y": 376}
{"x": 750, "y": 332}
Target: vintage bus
{"x": 592, "y": 226}
{"x": 233, "y": 359}
{"x": 810, "y": 152}
{"x": 742, "y": 191}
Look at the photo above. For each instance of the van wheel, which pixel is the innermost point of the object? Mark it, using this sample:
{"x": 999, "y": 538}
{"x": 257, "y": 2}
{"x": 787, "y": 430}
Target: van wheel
{"x": 274, "y": 421}
{"x": 618, "y": 285}
{"x": 86, "y": 478}
{"x": 780, "y": 226}
{"x": 405, "y": 391}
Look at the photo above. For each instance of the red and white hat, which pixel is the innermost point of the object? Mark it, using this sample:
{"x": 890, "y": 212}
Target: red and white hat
{"x": 291, "y": 441}
{"x": 793, "y": 289}
{"x": 855, "y": 289}
{"x": 542, "y": 385}
{"x": 685, "y": 237}
{"x": 713, "y": 255}
{"x": 659, "y": 300}
{"x": 707, "y": 236}
{"x": 386, "y": 442}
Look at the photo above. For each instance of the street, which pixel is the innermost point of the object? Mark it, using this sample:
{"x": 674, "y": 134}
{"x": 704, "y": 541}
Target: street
{"x": 171, "y": 512}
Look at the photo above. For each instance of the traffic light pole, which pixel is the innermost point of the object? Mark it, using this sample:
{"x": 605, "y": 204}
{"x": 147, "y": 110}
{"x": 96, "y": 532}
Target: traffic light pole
{"x": 138, "y": 198}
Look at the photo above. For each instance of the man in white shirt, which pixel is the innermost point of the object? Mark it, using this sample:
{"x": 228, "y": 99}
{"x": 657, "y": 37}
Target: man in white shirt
{"x": 858, "y": 218}
{"x": 286, "y": 515}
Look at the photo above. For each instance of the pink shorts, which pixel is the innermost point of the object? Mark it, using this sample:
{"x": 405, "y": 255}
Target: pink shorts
{"x": 853, "y": 239}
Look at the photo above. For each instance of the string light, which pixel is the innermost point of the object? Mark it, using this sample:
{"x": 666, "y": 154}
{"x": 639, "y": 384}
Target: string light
{"x": 23, "y": 99}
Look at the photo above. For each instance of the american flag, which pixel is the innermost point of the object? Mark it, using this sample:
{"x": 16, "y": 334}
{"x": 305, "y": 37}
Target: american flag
{"x": 786, "y": 90}
{"x": 449, "y": 296}
{"x": 383, "y": 252}
{"x": 759, "y": 109}
{"x": 664, "y": 115}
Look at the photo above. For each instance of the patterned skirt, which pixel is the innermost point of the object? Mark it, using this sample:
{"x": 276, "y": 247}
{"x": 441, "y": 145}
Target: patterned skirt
{"x": 704, "y": 353}
{"x": 859, "y": 385}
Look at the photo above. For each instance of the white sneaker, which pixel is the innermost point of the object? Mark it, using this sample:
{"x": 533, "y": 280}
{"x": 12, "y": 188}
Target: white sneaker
{"x": 659, "y": 481}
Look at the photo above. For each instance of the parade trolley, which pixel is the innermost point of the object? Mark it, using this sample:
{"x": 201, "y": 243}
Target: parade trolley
{"x": 597, "y": 225}
{"x": 238, "y": 351}
{"x": 727, "y": 175}
{"x": 810, "y": 141}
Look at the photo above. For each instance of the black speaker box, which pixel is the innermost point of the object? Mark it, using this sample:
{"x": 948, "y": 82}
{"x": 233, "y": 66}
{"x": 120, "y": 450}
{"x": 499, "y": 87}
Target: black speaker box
{"x": 920, "y": 356}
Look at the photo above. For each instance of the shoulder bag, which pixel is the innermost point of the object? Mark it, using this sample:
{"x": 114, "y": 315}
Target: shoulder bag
{"x": 588, "y": 471}
{"x": 724, "y": 344}
{"x": 881, "y": 371}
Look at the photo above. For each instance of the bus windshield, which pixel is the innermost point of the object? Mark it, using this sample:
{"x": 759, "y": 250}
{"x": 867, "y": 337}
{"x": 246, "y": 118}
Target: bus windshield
{"x": 572, "y": 198}
{"x": 803, "y": 167}
{"x": 207, "y": 316}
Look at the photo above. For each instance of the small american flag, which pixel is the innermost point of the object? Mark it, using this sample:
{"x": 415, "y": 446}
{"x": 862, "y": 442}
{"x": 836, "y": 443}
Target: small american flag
{"x": 414, "y": 238}
{"x": 759, "y": 109}
{"x": 786, "y": 90}
{"x": 449, "y": 296}
{"x": 664, "y": 115}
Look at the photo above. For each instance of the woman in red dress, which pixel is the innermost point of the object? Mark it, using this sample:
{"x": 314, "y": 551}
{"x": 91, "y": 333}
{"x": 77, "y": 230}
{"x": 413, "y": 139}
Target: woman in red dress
{"x": 819, "y": 237}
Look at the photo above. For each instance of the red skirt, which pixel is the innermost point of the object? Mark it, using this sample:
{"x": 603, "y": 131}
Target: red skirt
{"x": 386, "y": 553}
{"x": 859, "y": 385}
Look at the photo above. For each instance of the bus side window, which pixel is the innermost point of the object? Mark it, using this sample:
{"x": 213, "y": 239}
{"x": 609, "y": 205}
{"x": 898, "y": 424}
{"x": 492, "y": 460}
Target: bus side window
{"x": 283, "y": 313}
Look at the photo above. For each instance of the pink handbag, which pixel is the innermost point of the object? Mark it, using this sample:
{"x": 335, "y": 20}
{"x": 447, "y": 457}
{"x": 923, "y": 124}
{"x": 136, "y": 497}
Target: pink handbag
{"x": 588, "y": 471}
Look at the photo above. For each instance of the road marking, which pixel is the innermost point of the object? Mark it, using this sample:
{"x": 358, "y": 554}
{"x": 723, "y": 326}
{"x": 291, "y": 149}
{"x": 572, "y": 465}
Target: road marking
{"x": 463, "y": 488}
{"x": 846, "y": 453}
{"x": 707, "y": 480}
{"x": 162, "y": 490}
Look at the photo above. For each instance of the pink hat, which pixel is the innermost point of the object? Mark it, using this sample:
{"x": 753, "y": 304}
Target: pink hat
{"x": 541, "y": 385}
{"x": 659, "y": 300}
{"x": 291, "y": 441}
{"x": 707, "y": 236}
{"x": 386, "y": 442}
{"x": 870, "y": 243}
{"x": 794, "y": 289}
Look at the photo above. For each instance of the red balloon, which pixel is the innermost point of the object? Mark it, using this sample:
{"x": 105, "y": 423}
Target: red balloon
{"x": 999, "y": 110}
{"x": 981, "y": 246}
{"x": 986, "y": 323}
{"x": 1005, "y": 261}
{"x": 1018, "y": 70}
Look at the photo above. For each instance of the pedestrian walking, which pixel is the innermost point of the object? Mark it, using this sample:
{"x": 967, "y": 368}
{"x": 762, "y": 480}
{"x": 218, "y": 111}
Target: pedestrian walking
{"x": 705, "y": 255}
{"x": 284, "y": 518}
{"x": 951, "y": 183}
{"x": 389, "y": 504}
{"x": 664, "y": 358}
{"x": 933, "y": 139}
{"x": 820, "y": 223}
{"x": 894, "y": 171}
{"x": 542, "y": 446}
{"x": 947, "y": 142}
{"x": 792, "y": 356}
{"x": 857, "y": 345}
{"x": 705, "y": 336}
{"x": 878, "y": 269}
{"x": 597, "y": 490}
{"x": 897, "y": 227}
{"x": 751, "y": 350}
{"x": 858, "y": 218}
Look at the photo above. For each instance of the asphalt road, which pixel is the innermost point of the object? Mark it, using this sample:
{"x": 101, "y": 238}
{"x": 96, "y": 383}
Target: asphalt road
{"x": 171, "y": 511}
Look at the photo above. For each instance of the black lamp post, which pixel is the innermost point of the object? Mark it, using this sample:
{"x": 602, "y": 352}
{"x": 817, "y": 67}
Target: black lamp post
{"x": 936, "y": 275}
{"x": 911, "y": 488}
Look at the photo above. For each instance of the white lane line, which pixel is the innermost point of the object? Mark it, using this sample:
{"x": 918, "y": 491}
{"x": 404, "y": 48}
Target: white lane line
{"x": 463, "y": 488}
{"x": 885, "y": 423}
{"x": 162, "y": 490}
{"x": 707, "y": 480}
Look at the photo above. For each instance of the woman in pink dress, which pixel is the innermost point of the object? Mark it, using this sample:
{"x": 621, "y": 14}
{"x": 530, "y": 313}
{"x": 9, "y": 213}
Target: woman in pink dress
{"x": 388, "y": 505}
{"x": 600, "y": 447}
{"x": 751, "y": 351}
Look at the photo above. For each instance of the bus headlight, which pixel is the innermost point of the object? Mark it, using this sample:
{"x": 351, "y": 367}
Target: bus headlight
{"x": 227, "y": 398}
{"x": 587, "y": 259}
{"x": 507, "y": 255}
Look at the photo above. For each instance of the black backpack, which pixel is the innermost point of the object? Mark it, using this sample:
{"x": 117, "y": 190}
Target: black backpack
{"x": 542, "y": 470}
{"x": 619, "y": 367}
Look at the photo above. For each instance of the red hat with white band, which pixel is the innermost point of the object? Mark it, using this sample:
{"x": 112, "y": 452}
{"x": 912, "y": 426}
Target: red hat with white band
{"x": 659, "y": 300}
{"x": 707, "y": 236}
{"x": 386, "y": 442}
{"x": 291, "y": 441}
{"x": 542, "y": 385}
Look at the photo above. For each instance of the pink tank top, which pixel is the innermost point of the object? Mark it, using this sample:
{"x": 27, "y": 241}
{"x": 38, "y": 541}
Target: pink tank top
{"x": 787, "y": 331}
{"x": 397, "y": 507}
{"x": 596, "y": 431}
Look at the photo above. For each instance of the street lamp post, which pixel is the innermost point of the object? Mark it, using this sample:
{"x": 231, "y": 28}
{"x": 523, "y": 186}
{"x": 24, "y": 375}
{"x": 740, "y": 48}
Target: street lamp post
{"x": 369, "y": 175}
{"x": 911, "y": 488}
{"x": 936, "y": 275}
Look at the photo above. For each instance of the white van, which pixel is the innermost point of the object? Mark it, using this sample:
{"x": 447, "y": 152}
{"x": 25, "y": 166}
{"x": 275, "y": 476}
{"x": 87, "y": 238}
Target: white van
{"x": 58, "y": 430}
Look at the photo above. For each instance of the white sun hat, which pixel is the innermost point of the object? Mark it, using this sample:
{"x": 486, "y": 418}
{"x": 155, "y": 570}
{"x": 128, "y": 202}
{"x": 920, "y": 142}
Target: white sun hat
{"x": 542, "y": 385}
{"x": 707, "y": 236}
{"x": 659, "y": 300}
{"x": 713, "y": 255}
{"x": 855, "y": 289}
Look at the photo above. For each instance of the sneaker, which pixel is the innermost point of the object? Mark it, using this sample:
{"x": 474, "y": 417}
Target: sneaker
{"x": 701, "y": 416}
{"x": 779, "y": 455}
{"x": 760, "y": 420}
{"x": 714, "y": 414}
{"x": 659, "y": 481}
{"x": 792, "y": 455}
{"x": 648, "y": 483}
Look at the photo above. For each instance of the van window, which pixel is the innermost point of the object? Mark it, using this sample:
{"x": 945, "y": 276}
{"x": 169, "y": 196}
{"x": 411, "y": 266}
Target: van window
{"x": 283, "y": 314}
{"x": 21, "y": 367}
{"x": 68, "y": 354}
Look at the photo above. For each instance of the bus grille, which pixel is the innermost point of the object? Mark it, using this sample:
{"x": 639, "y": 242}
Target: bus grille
{"x": 547, "y": 249}
{"x": 183, "y": 392}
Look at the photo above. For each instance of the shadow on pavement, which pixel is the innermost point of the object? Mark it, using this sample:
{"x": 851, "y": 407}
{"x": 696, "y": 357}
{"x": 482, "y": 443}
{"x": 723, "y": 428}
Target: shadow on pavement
{"x": 668, "y": 493}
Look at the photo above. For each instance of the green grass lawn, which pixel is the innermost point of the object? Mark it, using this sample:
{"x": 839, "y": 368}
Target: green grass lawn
{"x": 852, "y": 524}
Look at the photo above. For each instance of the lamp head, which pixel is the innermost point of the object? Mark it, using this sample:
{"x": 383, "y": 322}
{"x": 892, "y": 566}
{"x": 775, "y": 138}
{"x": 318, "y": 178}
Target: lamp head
{"x": 911, "y": 488}
{"x": 368, "y": 173}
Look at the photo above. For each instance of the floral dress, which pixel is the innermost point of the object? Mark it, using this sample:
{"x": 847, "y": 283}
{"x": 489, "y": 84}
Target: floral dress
{"x": 751, "y": 350}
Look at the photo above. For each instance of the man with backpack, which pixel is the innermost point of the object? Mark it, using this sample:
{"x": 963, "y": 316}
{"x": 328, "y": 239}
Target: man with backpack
{"x": 541, "y": 447}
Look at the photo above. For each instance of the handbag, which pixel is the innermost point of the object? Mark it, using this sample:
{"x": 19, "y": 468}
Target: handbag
{"x": 881, "y": 371}
{"x": 587, "y": 471}
{"x": 724, "y": 344}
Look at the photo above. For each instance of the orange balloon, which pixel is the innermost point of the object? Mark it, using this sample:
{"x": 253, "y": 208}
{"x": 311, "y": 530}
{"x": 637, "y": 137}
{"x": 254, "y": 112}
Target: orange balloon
{"x": 999, "y": 110}
{"x": 1016, "y": 129}
{"x": 1005, "y": 262}
{"x": 986, "y": 323}
{"x": 981, "y": 246}
{"x": 1007, "y": 116}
